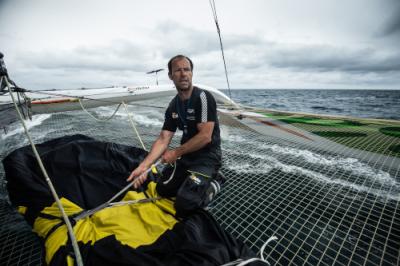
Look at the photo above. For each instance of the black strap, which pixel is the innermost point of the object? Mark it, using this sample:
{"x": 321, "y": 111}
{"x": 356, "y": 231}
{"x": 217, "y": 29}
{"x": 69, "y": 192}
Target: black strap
{"x": 62, "y": 222}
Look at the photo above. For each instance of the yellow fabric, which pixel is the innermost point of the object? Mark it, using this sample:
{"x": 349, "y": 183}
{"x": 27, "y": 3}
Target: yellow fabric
{"x": 134, "y": 225}
{"x": 21, "y": 209}
{"x": 154, "y": 169}
{"x": 70, "y": 261}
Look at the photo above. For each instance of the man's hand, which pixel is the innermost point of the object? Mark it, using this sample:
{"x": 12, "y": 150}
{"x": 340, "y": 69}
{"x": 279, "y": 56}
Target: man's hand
{"x": 169, "y": 156}
{"x": 137, "y": 176}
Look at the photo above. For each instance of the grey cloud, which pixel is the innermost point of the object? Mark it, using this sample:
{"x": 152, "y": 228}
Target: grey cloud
{"x": 336, "y": 59}
{"x": 175, "y": 38}
{"x": 250, "y": 53}
{"x": 391, "y": 20}
{"x": 321, "y": 58}
{"x": 393, "y": 25}
{"x": 118, "y": 56}
{"x": 249, "y": 58}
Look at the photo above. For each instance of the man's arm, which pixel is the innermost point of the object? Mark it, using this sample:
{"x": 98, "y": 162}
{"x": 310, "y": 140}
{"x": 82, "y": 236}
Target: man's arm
{"x": 159, "y": 147}
{"x": 201, "y": 139}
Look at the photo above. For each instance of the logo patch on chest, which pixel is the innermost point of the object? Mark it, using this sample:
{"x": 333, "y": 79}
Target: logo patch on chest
{"x": 174, "y": 115}
{"x": 190, "y": 111}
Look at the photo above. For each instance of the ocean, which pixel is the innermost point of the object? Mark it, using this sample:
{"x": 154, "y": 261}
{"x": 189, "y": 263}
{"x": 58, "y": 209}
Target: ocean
{"x": 383, "y": 104}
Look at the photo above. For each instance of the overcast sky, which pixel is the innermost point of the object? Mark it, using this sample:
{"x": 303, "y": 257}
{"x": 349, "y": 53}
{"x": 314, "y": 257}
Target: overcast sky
{"x": 343, "y": 44}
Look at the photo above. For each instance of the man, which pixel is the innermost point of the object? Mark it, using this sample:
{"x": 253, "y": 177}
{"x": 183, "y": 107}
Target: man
{"x": 198, "y": 158}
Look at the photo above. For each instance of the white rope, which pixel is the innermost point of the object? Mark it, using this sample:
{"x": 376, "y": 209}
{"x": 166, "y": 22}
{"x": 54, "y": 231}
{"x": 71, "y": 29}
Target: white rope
{"x": 130, "y": 184}
{"x": 272, "y": 238}
{"x": 50, "y": 184}
{"x": 109, "y": 202}
{"x": 127, "y": 202}
{"x": 133, "y": 126}
{"x": 95, "y": 118}
{"x": 171, "y": 176}
{"x": 113, "y": 204}
{"x": 108, "y": 118}
{"x": 241, "y": 262}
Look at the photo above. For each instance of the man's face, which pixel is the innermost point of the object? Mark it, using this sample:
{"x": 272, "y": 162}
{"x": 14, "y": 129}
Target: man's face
{"x": 181, "y": 74}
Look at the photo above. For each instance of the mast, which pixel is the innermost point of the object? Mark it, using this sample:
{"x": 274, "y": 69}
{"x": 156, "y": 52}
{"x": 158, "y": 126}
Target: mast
{"x": 156, "y": 72}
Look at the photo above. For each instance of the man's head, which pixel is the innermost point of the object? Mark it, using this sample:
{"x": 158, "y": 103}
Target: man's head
{"x": 180, "y": 72}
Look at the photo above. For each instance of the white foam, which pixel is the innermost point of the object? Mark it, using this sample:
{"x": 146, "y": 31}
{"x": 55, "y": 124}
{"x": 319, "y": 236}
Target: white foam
{"x": 17, "y": 128}
{"x": 348, "y": 164}
{"x": 264, "y": 162}
{"x": 146, "y": 121}
{"x": 251, "y": 168}
{"x": 144, "y": 118}
{"x": 225, "y": 132}
{"x": 335, "y": 181}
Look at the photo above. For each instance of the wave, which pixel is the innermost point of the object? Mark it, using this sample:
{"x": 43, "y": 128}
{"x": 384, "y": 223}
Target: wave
{"x": 323, "y": 108}
{"x": 17, "y": 128}
{"x": 145, "y": 118}
{"x": 348, "y": 173}
{"x": 352, "y": 165}
{"x": 335, "y": 102}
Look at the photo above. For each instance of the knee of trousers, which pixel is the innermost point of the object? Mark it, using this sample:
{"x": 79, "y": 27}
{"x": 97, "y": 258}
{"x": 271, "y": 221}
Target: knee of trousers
{"x": 195, "y": 192}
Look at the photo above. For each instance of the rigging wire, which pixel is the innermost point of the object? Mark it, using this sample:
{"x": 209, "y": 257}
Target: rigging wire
{"x": 70, "y": 229}
{"x": 214, "y": 11}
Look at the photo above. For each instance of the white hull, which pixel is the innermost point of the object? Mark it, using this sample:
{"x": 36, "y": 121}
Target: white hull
{"x": 68, "y": 100}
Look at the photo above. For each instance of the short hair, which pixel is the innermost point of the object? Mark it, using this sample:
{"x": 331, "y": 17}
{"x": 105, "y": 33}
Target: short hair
{"x": 179, "y": 56}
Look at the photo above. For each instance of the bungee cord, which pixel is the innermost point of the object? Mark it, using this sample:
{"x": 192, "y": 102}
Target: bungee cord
{"x": 133, "y": 126}
{"x": 96, "y": 118}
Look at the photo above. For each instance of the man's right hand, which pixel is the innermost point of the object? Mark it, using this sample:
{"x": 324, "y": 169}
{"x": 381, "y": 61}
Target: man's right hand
{"x": 137, "y": 176}
{"x": 169, "y": 156}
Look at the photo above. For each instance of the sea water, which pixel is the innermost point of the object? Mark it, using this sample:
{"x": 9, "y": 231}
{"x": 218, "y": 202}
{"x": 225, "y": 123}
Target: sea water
{"x": 383, "y": 104}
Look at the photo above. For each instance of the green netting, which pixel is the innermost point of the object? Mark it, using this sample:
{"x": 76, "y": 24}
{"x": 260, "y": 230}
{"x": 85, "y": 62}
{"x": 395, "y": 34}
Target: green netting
{"x": 395, "y": 148}
{"x": 391, "y": 131}
{"x": 339, "y": 134}
{"x": 378, "y": 136}
{"x": 315, "y": 121}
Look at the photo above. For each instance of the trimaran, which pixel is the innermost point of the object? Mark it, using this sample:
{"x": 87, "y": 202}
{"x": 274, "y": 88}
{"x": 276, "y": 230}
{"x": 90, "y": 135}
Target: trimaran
{"x": 330, "y": 198}
{"x": 326, "y": 186}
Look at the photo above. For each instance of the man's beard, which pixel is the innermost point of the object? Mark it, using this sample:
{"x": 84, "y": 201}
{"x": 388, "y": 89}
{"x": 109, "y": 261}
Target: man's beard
{"x": 183, "y": 89}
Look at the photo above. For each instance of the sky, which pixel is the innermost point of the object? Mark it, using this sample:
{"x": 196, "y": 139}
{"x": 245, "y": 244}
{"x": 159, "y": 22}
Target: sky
{"x": 321, "y": 44}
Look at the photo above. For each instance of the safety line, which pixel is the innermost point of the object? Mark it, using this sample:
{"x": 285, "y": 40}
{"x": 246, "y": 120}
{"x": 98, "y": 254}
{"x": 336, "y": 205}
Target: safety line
{"x": 50, "y": 184}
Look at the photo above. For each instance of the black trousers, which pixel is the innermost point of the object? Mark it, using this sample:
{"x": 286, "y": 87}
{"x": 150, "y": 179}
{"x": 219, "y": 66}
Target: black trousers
{"x": 194, "y": 184}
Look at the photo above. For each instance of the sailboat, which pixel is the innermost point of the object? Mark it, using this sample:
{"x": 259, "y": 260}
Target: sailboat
{"x": 326, "y": 186}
